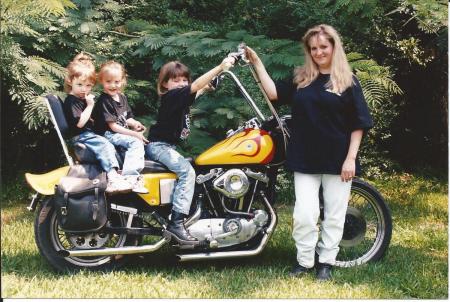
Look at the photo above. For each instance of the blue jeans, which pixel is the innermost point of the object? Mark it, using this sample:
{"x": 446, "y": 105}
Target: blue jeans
{"x": 184, "y": 190}
{"x": 103, "y": 150}
{"x": 134, "y": 155}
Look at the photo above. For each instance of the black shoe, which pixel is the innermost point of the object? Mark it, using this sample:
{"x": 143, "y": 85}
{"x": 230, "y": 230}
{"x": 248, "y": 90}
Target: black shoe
{"x": 298, "y": 270}
{"x": 177, "y": 229}
{"x": 324, "y": 271}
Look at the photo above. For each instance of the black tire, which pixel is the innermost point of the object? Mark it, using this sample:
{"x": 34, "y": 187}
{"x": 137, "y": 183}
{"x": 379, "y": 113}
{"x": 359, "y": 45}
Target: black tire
{"x": 367, "y": 229}
{"x": 50, "y": 238}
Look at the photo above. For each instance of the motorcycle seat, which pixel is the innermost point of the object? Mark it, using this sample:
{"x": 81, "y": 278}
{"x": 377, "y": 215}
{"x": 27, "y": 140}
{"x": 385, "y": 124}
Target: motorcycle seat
{"x": 45, "y": 183}
{"x": 157, "y": 167}
{"x": 154, "y": 167}
{"x": 84, "y": 155}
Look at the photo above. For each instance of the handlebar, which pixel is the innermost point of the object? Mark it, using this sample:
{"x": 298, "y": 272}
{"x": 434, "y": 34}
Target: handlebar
{"x": 238, "y": 56}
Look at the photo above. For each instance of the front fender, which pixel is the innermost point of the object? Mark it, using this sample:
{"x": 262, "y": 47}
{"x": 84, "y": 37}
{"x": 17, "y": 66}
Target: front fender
{"x": 45, "y": 183}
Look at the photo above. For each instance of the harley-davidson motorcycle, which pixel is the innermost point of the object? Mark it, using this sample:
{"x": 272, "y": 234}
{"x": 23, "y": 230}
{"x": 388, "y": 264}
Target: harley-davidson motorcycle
{"x": 232, "y": 213}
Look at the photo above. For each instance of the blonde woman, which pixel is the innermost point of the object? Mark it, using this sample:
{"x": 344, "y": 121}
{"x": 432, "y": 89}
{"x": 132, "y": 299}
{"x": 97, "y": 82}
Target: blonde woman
{"x": 329, "y": 117}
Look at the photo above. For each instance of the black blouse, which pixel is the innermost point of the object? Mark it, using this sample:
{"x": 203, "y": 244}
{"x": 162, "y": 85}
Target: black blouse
{"x": 108, "y": 110}
{"x": 173, "y": 121}
{"x": 73, "y": 108}
{"x": 322, "y": 123}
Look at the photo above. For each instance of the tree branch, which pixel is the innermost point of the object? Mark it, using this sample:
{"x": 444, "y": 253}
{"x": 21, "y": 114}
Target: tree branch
{"x": 123, "y": 34}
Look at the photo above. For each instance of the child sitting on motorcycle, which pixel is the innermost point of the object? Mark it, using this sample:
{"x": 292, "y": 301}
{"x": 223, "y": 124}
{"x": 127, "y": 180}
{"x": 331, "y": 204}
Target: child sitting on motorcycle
{"x": 117, "y": 124}
{"x": 78, "y": 108}
{"x": 177, "y": 94}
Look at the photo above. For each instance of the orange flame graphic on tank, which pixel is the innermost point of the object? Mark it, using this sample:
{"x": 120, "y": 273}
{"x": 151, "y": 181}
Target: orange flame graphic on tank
{"x": 257, "y": 140}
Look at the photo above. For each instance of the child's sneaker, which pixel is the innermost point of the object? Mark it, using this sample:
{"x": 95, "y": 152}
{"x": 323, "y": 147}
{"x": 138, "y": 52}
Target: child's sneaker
{"x": 118, "y": 184}
{"x": 137, "y": 184}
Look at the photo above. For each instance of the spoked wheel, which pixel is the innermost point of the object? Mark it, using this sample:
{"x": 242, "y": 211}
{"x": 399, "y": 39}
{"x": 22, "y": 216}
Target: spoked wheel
{"x": 367, "y": 229}
{"x": 50, "y": 238}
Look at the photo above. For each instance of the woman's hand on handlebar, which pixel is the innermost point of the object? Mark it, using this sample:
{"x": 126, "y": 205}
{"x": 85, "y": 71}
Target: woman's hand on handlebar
{"x": 251, "y": 55}
{"x": 266, "y": 82}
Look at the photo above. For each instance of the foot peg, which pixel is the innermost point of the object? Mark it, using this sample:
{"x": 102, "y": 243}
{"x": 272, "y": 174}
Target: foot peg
{"x": 183, "y": 244}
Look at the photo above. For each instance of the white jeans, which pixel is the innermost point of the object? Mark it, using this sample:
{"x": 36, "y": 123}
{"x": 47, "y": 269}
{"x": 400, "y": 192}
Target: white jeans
{"x": 306, "y": 214}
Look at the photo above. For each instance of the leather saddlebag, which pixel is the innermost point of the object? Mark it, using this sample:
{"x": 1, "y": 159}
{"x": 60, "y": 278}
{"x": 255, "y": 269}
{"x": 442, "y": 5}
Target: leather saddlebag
{"x": 80, "y": 202}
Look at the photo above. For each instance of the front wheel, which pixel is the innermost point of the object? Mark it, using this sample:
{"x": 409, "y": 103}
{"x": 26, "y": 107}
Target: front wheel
{"x": 367, "y": 229}
{"x": 50, "y": 239}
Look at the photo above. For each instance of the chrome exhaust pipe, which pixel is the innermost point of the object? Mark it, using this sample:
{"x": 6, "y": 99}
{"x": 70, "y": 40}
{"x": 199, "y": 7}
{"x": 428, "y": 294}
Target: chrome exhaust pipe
{"x": 194, "y": 218}
{"x": 115, "y": 250}
{"x": 237, "y": 254}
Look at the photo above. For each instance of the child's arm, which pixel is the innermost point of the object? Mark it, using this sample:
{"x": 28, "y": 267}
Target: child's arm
{"x": 204, "y": 90}
{"x": 135, "y": 125}
{"x": 86, "y": 114}
{"x": 119, "y": 129}
{"x": 204, "y": 80}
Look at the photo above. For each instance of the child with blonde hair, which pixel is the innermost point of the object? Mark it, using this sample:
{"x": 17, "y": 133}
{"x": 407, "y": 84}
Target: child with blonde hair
{"x": 78, "y": 108}
{"x": 118, "y": 125}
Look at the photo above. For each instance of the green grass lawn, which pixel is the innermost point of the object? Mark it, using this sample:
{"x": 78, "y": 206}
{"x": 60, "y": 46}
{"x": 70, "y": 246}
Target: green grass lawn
{"x": 415, "y": 266}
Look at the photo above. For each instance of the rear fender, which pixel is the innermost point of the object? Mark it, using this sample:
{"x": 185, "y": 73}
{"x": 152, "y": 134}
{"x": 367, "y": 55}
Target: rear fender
{"x": 45, "y": 183}
{"x": 47, "y": 204}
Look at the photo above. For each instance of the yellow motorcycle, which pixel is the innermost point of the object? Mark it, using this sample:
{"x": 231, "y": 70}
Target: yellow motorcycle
{"x": 232, "y": 212}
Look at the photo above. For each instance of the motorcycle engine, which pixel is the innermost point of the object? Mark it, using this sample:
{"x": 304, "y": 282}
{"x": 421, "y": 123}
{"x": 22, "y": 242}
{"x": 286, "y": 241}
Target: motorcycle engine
{"x": 230, "y": 231}
{"x": 233, "y": 183}
{"x": 222, "y": 232}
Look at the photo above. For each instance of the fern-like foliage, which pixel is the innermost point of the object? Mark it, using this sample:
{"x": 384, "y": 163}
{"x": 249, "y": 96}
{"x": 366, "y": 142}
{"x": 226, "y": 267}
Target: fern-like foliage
{"x": 21, "y": 16}
{"x": 28, "y": 78}
{"x": 376, "y": 81}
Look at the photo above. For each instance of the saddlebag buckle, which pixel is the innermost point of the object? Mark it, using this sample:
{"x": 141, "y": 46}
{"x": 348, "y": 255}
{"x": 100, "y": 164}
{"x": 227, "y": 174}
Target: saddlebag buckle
{"x": 64, "y": 211}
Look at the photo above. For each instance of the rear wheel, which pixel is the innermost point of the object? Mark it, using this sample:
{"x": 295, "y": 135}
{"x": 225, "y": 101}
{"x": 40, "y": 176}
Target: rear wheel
{"x": 50, "y": 239}
{"x": 367, "y": 229}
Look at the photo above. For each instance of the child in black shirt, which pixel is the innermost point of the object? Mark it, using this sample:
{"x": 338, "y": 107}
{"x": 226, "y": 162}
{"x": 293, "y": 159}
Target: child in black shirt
{"x": 78, "y": 107}
{"x": 117, "y": 123}
{"x": 172, "y": 125}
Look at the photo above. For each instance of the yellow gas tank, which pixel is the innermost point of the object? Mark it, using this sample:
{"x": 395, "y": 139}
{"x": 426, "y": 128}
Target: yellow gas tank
{"x": 252, "y": 146}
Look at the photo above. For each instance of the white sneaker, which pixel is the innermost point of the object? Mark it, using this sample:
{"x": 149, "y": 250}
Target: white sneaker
{"x": 137, "y": 184}
{"x": 118, "y": 184}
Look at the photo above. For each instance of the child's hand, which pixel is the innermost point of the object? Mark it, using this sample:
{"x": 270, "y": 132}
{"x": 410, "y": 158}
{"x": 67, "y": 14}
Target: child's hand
{"x": 141, "y": 137}
{"x": 90, "y": 100}
{"x": 227, "y": 63}
{"x": 139, "y": 127}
